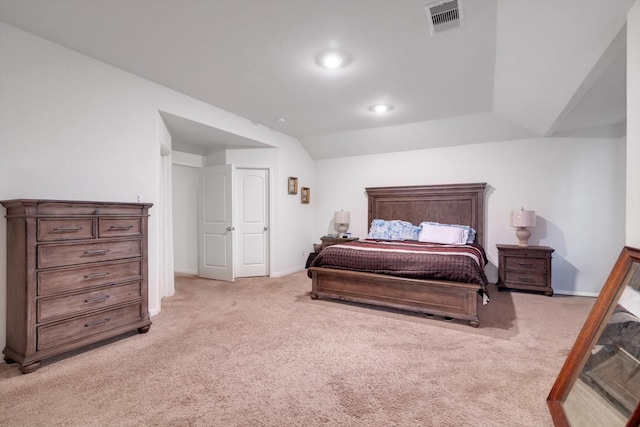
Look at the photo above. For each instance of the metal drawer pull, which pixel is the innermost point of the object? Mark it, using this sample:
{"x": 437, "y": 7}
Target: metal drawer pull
{"x": 120, "y": 227}
{"x": 96, "y": 275}
{"x": 526, "y": 279}
{"x": 66, "y": 229}
{"x": 96, "y": 323}
{"x": 96, "y": 252}
{"x": 99, "y": 299}
{"x": 524, "y": 264}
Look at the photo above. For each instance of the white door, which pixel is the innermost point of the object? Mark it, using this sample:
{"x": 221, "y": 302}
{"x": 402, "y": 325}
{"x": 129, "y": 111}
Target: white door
{"x": 252, "y": 222}
{"x": 215, "y": 223}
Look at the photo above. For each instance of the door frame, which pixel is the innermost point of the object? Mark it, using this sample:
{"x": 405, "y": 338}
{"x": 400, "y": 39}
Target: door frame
{"x": 166, "y": 283}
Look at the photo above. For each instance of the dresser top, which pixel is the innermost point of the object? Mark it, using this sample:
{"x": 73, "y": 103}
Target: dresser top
{"x": 32, "y": 202}
{"x": 39, "y": 208}
{"x": 530, "y": 247}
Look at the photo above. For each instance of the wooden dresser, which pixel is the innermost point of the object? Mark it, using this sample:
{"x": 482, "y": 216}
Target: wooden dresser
{"x": 76, "y": 275}
{"x": 525, "y": 268}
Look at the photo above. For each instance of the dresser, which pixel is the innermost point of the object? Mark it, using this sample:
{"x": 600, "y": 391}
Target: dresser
{"x": 525, "y": 268}
{"x": 76, "y": 275}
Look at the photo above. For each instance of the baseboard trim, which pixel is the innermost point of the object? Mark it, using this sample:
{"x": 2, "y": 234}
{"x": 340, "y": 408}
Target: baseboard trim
{"x": 287, "y": 272}
{"x": 577, "y": 294}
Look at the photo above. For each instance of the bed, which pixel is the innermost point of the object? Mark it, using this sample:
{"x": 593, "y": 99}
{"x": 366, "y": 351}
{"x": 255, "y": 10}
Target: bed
{"x": 461, "y": 204}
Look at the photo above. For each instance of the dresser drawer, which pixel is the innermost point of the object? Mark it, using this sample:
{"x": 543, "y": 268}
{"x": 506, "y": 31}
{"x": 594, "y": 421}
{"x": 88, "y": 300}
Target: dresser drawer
{"x": 527, "y": 263}
{"x": 121, "y": 227}
{"x": 82, "y": 208}
{"x": 83, "y": 327}
{"x": 526, "y": 278}
{"x": 72, "y": 254}
{"x": 65, "y": 229}
{"x": 49, "y": 309}
{"x": 50, "y": 282}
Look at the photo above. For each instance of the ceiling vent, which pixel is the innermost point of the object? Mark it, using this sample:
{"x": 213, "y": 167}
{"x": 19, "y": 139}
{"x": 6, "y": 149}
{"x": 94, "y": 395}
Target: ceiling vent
{"x": 444, "y": 15}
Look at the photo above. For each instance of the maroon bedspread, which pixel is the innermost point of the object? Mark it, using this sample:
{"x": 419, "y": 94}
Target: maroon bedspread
{"x": 412, "y": 259}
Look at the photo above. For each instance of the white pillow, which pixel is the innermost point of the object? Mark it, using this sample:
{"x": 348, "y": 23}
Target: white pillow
{"x": 443, "y": 234}
{"x": 471, "y": 233}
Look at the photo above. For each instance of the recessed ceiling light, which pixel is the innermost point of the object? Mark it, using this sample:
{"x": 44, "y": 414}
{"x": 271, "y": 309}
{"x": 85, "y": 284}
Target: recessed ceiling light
{"x": 332, "y": 59}
{"x": 381, "y": 108}
{"x": 280, "y": 120}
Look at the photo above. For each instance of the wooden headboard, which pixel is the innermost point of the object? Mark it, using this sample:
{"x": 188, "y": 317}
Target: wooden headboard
{"x": 461, "y": 204}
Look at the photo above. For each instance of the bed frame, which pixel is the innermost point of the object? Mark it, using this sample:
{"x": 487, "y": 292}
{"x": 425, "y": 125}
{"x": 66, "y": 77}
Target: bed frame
{"x": 451, "y": 204}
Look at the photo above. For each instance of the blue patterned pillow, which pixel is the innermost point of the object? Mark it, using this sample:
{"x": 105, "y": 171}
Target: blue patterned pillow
{"x": 393, "y": 230}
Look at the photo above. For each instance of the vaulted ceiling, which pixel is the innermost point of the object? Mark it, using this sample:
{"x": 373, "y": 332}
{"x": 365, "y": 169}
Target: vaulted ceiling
{"x": 513, "y": 69}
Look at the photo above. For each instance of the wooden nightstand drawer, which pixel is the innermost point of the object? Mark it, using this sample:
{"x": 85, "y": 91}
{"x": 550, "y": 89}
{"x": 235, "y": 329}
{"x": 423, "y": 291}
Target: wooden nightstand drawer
{"x": 526, "y": 263}
{"x": 526, "y": 278}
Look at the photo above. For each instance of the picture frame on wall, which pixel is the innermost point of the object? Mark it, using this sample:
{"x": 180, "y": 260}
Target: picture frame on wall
{"x": 305, "y": 195}
{"x": 292, "y": 185}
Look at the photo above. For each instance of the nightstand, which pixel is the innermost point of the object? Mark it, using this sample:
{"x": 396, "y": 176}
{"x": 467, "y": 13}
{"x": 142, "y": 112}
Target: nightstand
{"x": 525, "y": 267}
{"x": 328, "y": 241}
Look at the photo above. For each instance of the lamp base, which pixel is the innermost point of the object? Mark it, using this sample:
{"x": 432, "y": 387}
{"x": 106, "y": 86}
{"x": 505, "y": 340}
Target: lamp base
{"x": 342, "y": 229}
{"x": 523, "y": 234}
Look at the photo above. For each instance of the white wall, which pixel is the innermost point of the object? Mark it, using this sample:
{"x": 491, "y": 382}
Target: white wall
{"x": 75, "y": 128}
{"x": 576, "y": 187}
{"x": 185, "y": 219}
{"x": 633, "y": 126}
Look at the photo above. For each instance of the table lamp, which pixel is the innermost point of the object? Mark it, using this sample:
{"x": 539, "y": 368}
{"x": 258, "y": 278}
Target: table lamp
{"x": 523, "y": 220}
{"x": 341, "y": 221}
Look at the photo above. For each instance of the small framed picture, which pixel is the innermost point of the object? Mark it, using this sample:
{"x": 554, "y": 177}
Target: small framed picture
{"x": 305, "y": 195}
{"x": 293, "y": 185}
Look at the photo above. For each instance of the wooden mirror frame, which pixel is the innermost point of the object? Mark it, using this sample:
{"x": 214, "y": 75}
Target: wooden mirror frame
{"x": 588, "y": 337}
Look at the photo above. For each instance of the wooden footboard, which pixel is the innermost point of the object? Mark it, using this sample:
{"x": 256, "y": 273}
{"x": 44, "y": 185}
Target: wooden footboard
{"x": 441, "y": 298}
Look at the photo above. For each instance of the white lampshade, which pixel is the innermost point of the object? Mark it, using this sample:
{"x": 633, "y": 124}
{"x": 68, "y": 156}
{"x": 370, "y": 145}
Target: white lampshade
{"x": 523, "y": 218}
{"x": 341, "y": 219}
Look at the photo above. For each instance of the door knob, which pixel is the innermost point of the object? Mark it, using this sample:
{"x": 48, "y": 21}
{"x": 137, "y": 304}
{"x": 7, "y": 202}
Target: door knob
{"x": 230, "y": 228}
{"x": 266, "y": 228}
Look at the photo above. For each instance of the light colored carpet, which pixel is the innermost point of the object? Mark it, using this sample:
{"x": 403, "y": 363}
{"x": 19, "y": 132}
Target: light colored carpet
{"x": 260, "y": 352}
